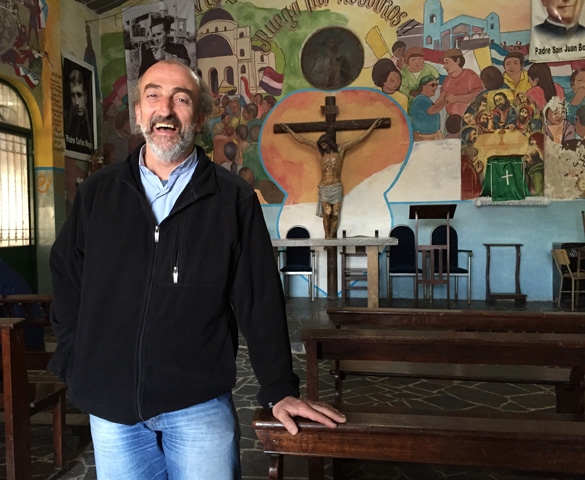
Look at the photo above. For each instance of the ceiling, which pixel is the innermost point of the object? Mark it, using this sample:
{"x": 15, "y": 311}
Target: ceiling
{"x": 102, "y": 6}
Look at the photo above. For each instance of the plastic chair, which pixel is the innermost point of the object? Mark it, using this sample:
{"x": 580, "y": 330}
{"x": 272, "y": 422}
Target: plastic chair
{"x": 352, "y": 276}
{"x": 439, "y": 237}
{"x": 298, "y": 260}
{"x": 563, "y": 263}
{"x": 400, "y": 259}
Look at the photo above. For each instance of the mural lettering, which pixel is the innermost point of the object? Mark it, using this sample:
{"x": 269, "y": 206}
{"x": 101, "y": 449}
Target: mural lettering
{"x": 57, "y": 112}
{"x": 385, "y": 8}
{"x": 276, "y": 23}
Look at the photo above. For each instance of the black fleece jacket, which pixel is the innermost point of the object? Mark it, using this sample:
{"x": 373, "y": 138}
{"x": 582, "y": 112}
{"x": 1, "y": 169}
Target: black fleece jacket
{"x": 146, "y": 315}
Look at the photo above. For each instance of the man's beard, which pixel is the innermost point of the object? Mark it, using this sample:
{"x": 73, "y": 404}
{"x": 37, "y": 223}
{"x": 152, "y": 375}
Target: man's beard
{"x": 168, "y": 152}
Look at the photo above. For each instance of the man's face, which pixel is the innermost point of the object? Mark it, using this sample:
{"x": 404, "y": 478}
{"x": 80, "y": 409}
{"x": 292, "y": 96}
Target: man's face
{"x": 399, "y": 52}
{"x": 158, "y": 36}
{"x": 166, "y": 111}
{"x": 235, "y": 106}
{"x": 472, "y": 136}
{"x": 523, "y": 114}
{"x": 78, "y": 99}
{"x": 500, "y": 101}
{"x": 512, "y": 66}
{"x": 563, "y": 11}
{"x": 430, "y": 88}
{"x": 416, "y": 64}
{"x": 332, "y": 45}
{"x": 451, "y": 65}
{"x": 522, "y": 98}
{"x": 579, "y": 81}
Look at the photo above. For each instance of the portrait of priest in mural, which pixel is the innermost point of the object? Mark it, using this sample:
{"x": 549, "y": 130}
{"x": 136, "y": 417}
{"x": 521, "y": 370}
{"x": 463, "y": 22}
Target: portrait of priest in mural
{"x": 562, "y": 18}
{"x": 558, "y": 30}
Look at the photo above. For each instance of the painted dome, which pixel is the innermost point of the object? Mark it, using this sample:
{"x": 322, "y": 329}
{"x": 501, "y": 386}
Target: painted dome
{"x": 215, "y": 14}
{"x": 213, "y": 46}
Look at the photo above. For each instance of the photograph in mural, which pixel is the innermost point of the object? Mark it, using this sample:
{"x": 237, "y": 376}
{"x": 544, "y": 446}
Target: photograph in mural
{"x": 79, "y": 109}
{"x": 332, "y": 58}
{"x": 159, "y": 31}
{"x": 558, "y": 30}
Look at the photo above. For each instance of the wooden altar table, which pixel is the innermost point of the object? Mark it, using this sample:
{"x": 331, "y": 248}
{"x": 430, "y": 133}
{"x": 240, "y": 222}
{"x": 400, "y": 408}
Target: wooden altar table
{"x": 372, "y": 245}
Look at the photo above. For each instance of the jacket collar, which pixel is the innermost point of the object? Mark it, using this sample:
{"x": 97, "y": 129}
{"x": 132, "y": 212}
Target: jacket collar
{"x": 203, "y": 182}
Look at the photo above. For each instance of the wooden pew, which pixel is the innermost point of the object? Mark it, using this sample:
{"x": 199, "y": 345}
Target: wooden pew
{"x": 41, "y": 390}
{"x": 524, "y": 441}
{"x": 565, "y": 383}
{"x": 36, "y": 309}
{"x": 544, "y": 322}
{"x": 21, "y": 400}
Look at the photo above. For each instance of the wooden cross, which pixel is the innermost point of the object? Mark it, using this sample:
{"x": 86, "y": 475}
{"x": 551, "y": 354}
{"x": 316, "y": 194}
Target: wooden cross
{"x": 330, "y": 126}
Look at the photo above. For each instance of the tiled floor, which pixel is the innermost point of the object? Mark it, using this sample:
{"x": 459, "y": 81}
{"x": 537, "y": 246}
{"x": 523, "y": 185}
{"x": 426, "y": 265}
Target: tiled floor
{"x": 430, "y": 394}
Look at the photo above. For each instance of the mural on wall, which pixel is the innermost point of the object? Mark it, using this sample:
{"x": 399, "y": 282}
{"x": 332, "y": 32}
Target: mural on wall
{"x": 159, "y": 31}
{"x": 79, "y": 97}
{"x": 21, "y": 23}
{"x": 436, "y": 56}
{"x": 558, "y": 31}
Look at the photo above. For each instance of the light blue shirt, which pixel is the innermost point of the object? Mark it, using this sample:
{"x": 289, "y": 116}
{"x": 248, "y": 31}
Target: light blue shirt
{"x": 162, "y": 195}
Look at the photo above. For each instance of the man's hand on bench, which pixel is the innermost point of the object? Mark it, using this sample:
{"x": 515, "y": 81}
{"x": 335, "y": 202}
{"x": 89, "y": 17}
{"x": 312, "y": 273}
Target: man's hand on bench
{"x": 290, "y": 407}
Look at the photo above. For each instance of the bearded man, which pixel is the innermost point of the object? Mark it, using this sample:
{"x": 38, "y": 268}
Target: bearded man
{"x": 504, "y": 113}
{"x": 163, "y": 258}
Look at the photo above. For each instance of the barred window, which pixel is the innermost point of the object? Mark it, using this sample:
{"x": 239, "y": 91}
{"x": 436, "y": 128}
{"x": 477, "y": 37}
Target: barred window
{"x": 15, "y": 194}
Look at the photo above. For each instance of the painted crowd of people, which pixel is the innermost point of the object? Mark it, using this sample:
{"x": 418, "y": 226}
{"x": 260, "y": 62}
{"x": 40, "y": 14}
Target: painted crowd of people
{"x": 231, "y": 139}
{"x": 474, "y": 107}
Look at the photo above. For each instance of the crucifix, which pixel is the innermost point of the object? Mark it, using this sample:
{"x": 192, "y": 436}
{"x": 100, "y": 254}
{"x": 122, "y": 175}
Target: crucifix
{"x": 331, "y": 155}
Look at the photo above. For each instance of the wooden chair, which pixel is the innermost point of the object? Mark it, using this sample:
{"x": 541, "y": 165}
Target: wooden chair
{"x": 352, "y": 276}
{"x": 22, "y": 396}
{"x": 563, "y": 264}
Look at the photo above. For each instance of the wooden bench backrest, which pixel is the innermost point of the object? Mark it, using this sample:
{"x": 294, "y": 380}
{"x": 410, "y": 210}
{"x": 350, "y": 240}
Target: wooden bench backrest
{"x": 37, "y": 308}
{"x": 564, "y": 350}
{"x": 543, "y": 322}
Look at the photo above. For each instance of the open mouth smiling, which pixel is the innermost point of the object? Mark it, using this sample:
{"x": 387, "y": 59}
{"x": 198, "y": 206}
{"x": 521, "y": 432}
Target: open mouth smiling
{"x": 165, "y": 127}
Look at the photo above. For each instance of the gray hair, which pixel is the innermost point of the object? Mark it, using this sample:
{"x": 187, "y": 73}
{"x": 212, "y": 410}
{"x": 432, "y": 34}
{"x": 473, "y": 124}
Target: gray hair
{"x": 204, "y": 99}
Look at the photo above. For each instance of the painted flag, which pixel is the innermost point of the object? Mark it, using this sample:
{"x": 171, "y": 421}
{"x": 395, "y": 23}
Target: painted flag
{"x": 271, "y": 81}
{"x": 29, "y": 77}
{"x": 245, "y": 94}
{"x": 376, "y": 42}
{"x": 504, "y": 179}
{"x": 498, "y": 54}
{"x": 43, "y": 13}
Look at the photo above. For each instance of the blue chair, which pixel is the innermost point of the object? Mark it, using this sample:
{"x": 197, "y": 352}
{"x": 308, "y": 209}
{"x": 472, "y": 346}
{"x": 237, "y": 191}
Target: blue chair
{"x": 439, "y": 237}
{"x": 298, "y": 260}
{"x": 401, "y": 258}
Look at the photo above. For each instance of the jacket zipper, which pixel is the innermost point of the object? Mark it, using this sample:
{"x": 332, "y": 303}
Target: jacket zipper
{"x": 142, "y": 333}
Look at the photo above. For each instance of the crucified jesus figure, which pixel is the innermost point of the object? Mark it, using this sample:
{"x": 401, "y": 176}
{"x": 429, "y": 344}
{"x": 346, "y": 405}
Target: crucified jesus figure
{"x": 331, "y": 157}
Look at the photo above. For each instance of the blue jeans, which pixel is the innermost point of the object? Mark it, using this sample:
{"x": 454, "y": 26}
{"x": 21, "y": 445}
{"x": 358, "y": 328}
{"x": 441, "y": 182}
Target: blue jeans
{"x": 196, "y": 443}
